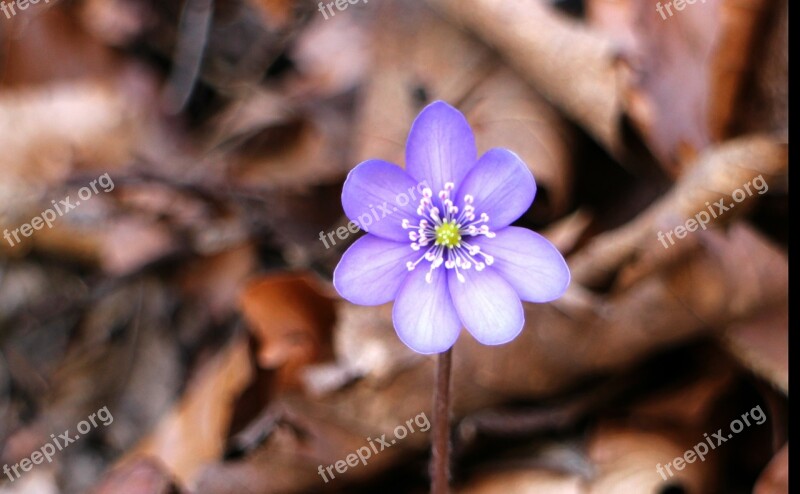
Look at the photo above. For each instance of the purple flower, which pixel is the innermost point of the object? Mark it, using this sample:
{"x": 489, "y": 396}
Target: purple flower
{"x": 439, "y": 242}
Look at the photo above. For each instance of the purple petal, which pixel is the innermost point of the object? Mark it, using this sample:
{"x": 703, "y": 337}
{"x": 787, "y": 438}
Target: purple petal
{"x": 487, "y": 305}
{"x": 440, "y": 146}
{"x": 377, "y": 196}
{"x": 503, "y": 187}
{"x": 528, "y": 262}
{"x": 423, "y": 314}
{"x": 372, "y": 270}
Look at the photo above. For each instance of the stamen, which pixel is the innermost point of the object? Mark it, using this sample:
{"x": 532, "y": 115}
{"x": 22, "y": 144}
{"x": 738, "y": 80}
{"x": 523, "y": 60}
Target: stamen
{"x": 442, "y": 234}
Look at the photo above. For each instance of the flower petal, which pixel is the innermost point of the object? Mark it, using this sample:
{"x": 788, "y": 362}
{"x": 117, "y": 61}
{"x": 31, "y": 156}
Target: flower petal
{"x": 377, "y": 196}
{"x": 372, "y": 270}
{"x": 502, "y": 185}
{"x": 487, "y": 305}
{"x": 423, "y": 314}
{"x": 440, "y": 146}
{"x": 528, "y": 262}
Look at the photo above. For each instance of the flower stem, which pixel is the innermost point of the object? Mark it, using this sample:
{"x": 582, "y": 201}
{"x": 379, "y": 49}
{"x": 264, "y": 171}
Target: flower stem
{"x": 440, "y": 442}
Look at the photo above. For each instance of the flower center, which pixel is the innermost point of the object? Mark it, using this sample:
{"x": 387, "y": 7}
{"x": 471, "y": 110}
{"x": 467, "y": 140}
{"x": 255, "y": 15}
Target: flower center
{"x": 445, "y": 236}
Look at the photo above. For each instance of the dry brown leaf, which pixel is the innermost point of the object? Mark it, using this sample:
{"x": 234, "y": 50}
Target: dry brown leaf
{"x": 271, "y": 142}
{"x": 331, "y": 57}
{"x": 716, "y": 175}
{"x": 218, "y": 279}
{"x": 47, "y": 44}
{"x": 762, "y": 345}
{"x": 279, "y": 105}
{"x": 558, "y": 348}
{"x": 533, "y": 38}
{"x": 524, "y": 482}
{"x": 194, "y": 434}
{"x": 680, "y": 116}
{"x": 291, "y": 321}
{"x": 626, "y": 461}
{"x": 276, "y": 13}
{"x": 775, "y": 478}
{"x": 692, "y": 404}
{"x": 366, "y": 347}
{"x": 50, "y": 132}
{"x": 441, "y": 62}
{"x": 506, "y": 113}
{"x": 143, "y": 476}
{"x": 115, "y": 22}
{"x": 41, "y": 481}
{"x": 416, "y": 58}
{"x": 119, "y": 246}
{"x": 766, "y": 106}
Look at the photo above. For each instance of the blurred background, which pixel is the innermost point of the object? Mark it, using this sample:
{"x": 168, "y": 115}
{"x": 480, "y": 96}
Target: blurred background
{"x": 189, "y": 292}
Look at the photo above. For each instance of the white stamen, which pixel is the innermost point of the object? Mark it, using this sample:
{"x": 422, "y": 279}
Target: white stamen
{"x": 450, "y": 246}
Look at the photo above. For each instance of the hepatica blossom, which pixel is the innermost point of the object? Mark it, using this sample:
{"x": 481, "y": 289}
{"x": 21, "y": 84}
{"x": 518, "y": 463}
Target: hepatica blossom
{"x": 448, "y": 258}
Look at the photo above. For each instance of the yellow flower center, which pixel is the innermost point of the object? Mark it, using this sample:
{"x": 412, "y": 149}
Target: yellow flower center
{"x": 447, "y": 234}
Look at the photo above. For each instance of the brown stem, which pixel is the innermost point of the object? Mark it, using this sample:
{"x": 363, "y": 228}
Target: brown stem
{"x": 440, "y": 447}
